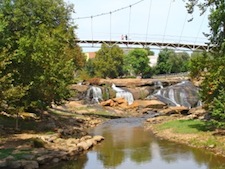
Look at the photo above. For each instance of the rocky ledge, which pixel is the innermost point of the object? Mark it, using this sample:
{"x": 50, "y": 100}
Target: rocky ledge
{"x": 54, "y": 150}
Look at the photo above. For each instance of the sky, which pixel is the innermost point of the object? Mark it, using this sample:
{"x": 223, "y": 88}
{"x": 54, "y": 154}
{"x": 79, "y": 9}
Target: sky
{"x": 148, "y": 20}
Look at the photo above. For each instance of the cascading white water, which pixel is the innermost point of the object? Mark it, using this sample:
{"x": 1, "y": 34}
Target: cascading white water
{"x": 94, "y": 94}
{"x": 158, "y": 85}
{"x": 120, "y": 93}
{"x": 181, "y": 94}
{"x": 126, "y": 95}
{"x": 172, "y": 97}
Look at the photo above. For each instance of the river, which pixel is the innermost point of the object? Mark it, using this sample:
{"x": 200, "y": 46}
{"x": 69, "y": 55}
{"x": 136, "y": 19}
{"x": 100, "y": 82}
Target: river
{"x": 128, "y": 146}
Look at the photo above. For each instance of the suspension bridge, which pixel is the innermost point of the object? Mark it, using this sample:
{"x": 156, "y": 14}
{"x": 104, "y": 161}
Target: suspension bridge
{"x": 94, "y": 23}
{"x": 144, "y": 44}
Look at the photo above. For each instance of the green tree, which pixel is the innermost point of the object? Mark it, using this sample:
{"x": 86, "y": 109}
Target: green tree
{"x": 184, "y": 59}
{"x": 136, "y": 62}
{"x": 150, "y": 53}
{"x": 37, "y": 38}
{"x": 197, "y": 64}
{"x": 10, "y": 94}
{"x": 163, "y": 66}
{"x": 216, "y": 18}
{"x": 171, "y": 62}
{"x": 108, "y": 62}
{"x": 89, "y": 68}
{"x": 213, "y": 85}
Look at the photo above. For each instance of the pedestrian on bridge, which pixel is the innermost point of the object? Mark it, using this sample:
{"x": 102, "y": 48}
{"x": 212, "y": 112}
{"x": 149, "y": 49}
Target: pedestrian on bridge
{"x": 126, "y": 37}
{"x": 122, "y": 37}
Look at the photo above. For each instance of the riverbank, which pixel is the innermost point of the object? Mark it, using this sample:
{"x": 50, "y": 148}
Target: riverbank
{"x": 65, "y": 133}
{"x": 184, "y": 129}
{"x": 59, "y": 134}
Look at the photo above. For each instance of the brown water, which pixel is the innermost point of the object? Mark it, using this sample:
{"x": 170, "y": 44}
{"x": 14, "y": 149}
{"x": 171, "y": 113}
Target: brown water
{"x": 128, "y": 146}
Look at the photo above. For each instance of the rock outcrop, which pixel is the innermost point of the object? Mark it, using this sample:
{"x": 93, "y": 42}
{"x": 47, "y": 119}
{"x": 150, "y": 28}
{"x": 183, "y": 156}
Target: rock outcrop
{"x": 55, "y": 150}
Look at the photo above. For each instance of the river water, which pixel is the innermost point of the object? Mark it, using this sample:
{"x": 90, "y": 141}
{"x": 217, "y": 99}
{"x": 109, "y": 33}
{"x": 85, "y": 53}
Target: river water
{"x": 128, "y": 146}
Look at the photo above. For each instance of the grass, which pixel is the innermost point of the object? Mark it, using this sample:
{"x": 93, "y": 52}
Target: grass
{"x": 10, "y": 122}
{"x": 182, "y": 130}
{"x": 184, "y": 126}
{"x": 6, "y": 121}
{"x": 9, "y": 152}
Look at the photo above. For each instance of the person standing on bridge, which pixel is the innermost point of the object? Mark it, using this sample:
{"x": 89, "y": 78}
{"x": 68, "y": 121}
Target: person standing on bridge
{"x": 122, "y": 37}
{"x": 126, "y": 37}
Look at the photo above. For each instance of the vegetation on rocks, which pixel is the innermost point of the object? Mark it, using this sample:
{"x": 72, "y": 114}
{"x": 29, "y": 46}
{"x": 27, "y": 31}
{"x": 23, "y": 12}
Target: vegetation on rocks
{"x": 211, "y": 65}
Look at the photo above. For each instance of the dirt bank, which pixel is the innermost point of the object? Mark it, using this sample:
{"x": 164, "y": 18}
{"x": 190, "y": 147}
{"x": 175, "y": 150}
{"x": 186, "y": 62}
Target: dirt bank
{"x": 56, "y": 135}
{"x": 212, "y": 141}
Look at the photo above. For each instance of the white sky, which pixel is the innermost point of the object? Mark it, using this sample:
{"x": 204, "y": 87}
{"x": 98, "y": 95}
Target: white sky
{"x": 162, "y": 27}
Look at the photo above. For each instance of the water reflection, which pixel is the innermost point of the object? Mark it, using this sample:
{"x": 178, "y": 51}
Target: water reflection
{"x": 127, "y": 145}
{"x": 123, "y": 143}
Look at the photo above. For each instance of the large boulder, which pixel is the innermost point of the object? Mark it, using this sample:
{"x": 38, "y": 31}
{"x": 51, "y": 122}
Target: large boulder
{"x": 181, "y": 94}
{"x": 131, "y": 83}
{"x": 156, "y": 104}
{"x": 141, "y": 92}
{"x": 175, "y": 110}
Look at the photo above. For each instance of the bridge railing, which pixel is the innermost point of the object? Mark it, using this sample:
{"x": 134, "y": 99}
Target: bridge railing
{"x": 131, "y": 43}
{"x": 153, "y": 38}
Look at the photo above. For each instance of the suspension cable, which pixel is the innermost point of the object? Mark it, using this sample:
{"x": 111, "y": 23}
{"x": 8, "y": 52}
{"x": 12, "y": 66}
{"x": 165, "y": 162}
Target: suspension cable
{"x": 92, "y": 28}
{"x": 110, "y": 26}
{"x": 200, "y": 28}
{"x": 149, "y": 14}
{"x": 107, "y": 13}
{"x": 182, "y": 30}
{"x": 167, "y": 19}
{"x": 129, "y": 23}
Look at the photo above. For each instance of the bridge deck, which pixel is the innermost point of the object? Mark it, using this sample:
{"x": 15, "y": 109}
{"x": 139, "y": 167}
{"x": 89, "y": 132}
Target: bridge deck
{"x": 146, "y": 44}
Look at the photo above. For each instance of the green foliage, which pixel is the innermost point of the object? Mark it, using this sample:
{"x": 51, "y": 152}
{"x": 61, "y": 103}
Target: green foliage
{"x": 11, "y": 152}
{"x": 217, "y": 108}
{"x": 38, "y": 52}
{"x": 213, "y": 85}
{"x": 211, "y": 66}
{"x": 108, "y": 62}
{"x": 182, "y": 60}
{"x": 216, "y": 18}
{"x": 37, "y": 143}
{"x": 89, "y": 68}
{"x": 150, "y": 53}
{"x": 171, "y": 62}
{"x": 198, "y": 64}
{"x": 213, "y": 88}
{"x": 10, "y": 94}
{"x": 184, "y": 126}
{"x": 137, "y": 63}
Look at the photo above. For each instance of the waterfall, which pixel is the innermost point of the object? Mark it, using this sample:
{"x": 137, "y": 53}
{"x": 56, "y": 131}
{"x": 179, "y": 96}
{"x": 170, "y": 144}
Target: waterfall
{"x": 158, "y": 85}
{"x": 124, "y": 94}
{"x": 94, "y": 94}
{"x": 181, "y": 94}
{"x": 171, "y": 95}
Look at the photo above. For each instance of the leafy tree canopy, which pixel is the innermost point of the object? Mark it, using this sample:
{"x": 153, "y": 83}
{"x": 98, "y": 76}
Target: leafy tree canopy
{"x": 213, "y": 85}
{"x": 171, "y": 62}
{"x": 216, "y": 18}
{"x": 136, "y": 62}
{"x": 38, "y": 54}
{"x": 108, "y": 62}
